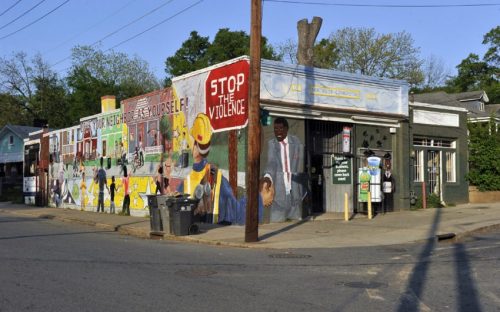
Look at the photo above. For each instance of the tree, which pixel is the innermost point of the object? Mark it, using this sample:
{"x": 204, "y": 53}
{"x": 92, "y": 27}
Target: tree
{"x": 475, "y": 73}
{"x": 287, "y": 51}
{"x": 363, "y": 51}
{"x": 13, "y": 112}
{"x": 326, "y": 54}
{"x": 435, "y": 73}
{"x": 95, "y": 73}
{"x": 197, "y": 52}
{"x": 484, "y": 163}
{"x": 493, "y": 39}
{"x": 191, "y": 56}
{"x": 33, "y": 88}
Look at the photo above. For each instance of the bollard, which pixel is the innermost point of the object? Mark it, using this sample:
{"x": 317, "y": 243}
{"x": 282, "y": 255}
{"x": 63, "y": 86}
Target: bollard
{"x": 424, "y": 196}
{"x": 369, "y": 206}
{"x": 346, "y": 207}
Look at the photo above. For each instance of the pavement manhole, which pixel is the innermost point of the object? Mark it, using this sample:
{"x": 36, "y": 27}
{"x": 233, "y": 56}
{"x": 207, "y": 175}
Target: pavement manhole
{"x": 365, "y": 285}
{"x": 289, "y": 256}
{"x": 196, "y": 273}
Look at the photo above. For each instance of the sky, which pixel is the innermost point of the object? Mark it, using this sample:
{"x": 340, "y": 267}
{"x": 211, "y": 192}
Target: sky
{"x": 155, "y": 29}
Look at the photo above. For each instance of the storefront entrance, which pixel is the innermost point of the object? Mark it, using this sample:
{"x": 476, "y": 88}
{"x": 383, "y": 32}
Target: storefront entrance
{"x": 329, "y": 166}
{"x": 433, "y": 172}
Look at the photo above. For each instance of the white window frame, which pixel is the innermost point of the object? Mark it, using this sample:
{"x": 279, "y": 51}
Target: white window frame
{"x": 11, "y": 140}
{"x": 451, "y": 166}
{"x": 418, "y": 166}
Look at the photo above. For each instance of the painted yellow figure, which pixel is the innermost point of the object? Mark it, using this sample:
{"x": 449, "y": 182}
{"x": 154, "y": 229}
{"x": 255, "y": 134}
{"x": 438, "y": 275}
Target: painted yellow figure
{"x": 206, "y": 182}
{"x": 83, "y": 191}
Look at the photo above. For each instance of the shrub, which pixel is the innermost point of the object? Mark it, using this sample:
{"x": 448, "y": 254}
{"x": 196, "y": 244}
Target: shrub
{"x": 433, "y": 201}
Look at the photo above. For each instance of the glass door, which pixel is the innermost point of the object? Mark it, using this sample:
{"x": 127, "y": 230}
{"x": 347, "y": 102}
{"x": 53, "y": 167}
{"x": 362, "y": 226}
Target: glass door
{"x": 433, "y": 170}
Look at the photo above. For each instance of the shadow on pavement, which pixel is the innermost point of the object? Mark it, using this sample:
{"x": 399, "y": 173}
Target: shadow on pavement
{"x": 286, "y": 228}
{"x": 467, "y": 291}
{"x": 55, "y": 234}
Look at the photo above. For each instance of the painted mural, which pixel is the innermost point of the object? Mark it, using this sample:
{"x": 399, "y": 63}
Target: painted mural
{"x": 150, "y": 132}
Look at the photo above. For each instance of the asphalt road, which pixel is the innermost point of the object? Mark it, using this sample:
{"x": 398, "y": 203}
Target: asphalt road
{"x": 47, "y": 265}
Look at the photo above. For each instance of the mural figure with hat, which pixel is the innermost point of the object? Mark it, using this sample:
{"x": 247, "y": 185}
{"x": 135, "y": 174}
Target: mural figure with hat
{"x": 206, "y": 182}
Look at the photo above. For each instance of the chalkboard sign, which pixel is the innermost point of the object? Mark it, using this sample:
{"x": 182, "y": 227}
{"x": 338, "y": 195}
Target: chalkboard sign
{"x": 341, "y": 167}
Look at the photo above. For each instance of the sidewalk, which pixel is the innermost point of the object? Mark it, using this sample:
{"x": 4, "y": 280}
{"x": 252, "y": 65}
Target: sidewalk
{"x": 324, "y": 231}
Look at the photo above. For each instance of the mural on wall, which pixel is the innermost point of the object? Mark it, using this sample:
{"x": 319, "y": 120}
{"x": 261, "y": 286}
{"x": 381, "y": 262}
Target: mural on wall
{"x": 150, "y": 130}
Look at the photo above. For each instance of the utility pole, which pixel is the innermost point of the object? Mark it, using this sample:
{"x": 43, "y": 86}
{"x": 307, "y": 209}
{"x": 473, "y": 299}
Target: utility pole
{"x": 253, "y": 137}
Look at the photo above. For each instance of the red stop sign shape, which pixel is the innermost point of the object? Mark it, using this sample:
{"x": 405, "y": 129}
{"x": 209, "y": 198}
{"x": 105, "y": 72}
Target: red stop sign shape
{"x": 227, "y": 96}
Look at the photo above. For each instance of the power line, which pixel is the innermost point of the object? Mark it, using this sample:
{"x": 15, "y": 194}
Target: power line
{"x": 132, "y": 22}
{"x": 8, "y": 9}
{"x": 386, "y": 5}
{"x": 26, "y": 12}
{"x": 144, "y": 31}
{"x": 89, "y": 28}
{"x": 156, "y": 25}
{"x": 38, "y": 19}
{"x": 121, "y": 28}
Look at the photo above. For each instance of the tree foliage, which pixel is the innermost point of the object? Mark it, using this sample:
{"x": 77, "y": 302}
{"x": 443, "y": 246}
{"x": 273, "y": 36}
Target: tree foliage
{"x": 13, "y": 112}
{"x": 484, "y": 163}
{"x": 32, "y": 90}
{"x": 326, "y": 54}
{"x": 198, "y": 52}
{"x": 363, "y": 51}
{"x": 95, "y": 73}
{"x": 475, "y": 73}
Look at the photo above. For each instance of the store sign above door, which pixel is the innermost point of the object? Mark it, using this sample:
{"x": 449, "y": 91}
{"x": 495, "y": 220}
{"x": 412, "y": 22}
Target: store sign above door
{"x": 335, "y": 92}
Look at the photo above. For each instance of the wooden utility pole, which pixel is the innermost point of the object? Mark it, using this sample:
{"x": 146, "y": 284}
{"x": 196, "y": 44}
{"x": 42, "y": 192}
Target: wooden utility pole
{"x": 253, "y": 138}
{"x": 233, "y": 161}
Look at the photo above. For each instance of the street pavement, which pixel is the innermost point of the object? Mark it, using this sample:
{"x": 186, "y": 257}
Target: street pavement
{"x": 322, "y": 231}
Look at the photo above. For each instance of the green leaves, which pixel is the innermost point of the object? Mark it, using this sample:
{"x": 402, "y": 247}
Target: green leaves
{"x": 197, "y": 52}
{"x": 484, "y": 163}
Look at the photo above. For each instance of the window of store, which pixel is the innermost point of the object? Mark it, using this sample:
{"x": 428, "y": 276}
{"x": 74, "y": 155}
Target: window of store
{"x": 450, "y": 167}
{"x": 418, "y": 166}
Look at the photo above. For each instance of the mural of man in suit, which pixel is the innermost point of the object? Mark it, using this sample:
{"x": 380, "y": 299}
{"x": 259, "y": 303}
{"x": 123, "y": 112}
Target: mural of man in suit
{"x": 284, "y": 170}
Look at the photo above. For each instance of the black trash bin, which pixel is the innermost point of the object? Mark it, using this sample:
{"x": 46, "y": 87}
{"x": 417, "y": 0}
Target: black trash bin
{"x": 181, "y": 211}
{"x": 154, "y": 215}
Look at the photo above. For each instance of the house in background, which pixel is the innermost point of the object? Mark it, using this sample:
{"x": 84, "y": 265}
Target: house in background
{"x": 476, "y": 103}
{"x": 11, "y": 154}
{"x": 439, "y": 135}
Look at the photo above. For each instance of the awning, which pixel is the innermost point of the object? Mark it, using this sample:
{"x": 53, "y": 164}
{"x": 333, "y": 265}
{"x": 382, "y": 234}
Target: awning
{"x": 322, "y": 112}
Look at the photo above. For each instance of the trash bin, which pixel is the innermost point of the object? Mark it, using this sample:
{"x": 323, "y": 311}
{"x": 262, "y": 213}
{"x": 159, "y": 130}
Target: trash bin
{"x": 154, "y": 214}
{"x": 161, "y": 201}
{"x": 181, "y": 211}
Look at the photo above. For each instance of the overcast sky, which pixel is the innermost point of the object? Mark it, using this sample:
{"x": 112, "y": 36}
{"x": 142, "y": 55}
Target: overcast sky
{"x": 450, "y": 33}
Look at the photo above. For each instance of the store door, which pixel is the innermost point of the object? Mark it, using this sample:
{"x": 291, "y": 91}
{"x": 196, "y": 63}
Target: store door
{"x": 434, "y": 172}
{"x": 317, "y": 183}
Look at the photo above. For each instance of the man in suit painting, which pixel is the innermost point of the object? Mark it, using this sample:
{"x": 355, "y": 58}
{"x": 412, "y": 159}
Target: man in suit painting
{"x": 284, "y": 171}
